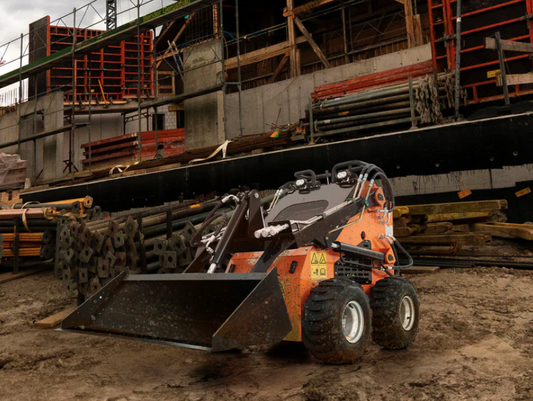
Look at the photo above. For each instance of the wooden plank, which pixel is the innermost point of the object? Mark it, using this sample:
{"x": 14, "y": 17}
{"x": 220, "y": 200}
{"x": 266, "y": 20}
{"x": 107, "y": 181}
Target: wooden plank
{"x": 400, "y": 211}
{"x": 306, "y": 7}
{"x": 516, "y": 79}
{"x": 505, "y": 230}
{"x": 509, "y": 45}
{"x": 421, "y": 270}
{"x": 262, "y": 54}
{"x": 443, "y": 217}
{"x": 444, "y": 239}
{"x": 438, "y": 228}
{"x": 5, "y": 277}
{"x": 52, "y": 321}
{"x": 169, "y": 52}
{"x": 459, "y": 207}
{"x": 312, "y": 42}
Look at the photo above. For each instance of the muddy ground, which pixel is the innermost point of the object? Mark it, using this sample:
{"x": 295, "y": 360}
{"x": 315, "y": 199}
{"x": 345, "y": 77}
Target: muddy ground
{"x": 475, "y": 343}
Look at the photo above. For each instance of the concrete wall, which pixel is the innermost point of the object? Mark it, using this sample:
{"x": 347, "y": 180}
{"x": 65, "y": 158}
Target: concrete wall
{"x": 204, "y": 124}
{"x": 48, "y": 152}
{"x": 506, "y": 177}
{"x": 285, "y": 102}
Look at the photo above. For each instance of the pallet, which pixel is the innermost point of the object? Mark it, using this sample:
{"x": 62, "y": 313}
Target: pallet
{"x": 52, "y": 321}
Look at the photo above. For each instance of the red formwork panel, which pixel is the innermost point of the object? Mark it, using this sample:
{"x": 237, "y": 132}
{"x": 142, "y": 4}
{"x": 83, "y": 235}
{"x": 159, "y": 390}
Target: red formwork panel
{"x": 112, "y": 71}
{"x": 480, "y": 19}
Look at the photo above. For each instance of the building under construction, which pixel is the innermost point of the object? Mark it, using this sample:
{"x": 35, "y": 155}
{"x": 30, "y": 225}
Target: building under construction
{"x": 220, "y": 175}
{"x": 329, "y": 78}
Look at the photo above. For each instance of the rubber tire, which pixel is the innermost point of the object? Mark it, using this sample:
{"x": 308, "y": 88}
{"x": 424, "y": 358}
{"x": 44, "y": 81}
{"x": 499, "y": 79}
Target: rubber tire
{"x": 387, "y": 329}
{"x": 322, "y": 322}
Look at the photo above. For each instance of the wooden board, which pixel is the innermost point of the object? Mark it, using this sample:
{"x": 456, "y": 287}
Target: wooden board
{"x": 5, "y": 277}
{"x": 421, "y": 270}
{"x": 52, "y": 321}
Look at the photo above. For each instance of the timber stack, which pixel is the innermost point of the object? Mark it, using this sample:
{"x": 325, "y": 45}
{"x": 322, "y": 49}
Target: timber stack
{"x": 460, "y": 228}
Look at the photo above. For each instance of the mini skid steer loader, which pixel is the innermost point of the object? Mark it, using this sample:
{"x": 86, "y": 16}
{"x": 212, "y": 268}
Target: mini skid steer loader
{"x": 319, "y": 266}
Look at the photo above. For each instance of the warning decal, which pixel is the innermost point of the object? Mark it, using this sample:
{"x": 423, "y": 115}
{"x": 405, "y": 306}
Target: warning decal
{"x": 319, "y": 266}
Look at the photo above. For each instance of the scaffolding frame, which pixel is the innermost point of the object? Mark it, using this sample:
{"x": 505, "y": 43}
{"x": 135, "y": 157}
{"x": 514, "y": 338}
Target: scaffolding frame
{"x": 151, "y": 21}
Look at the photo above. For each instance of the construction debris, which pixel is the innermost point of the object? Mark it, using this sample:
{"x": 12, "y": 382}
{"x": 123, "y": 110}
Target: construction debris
{"x": 12, "y": 171}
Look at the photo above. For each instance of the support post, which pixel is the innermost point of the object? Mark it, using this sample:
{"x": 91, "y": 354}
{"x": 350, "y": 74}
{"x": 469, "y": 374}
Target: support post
{"x": 291, "y": 31}
{"x": 502, "y": 68}
{"x": 239, "y": 85}
{"x": 311, "y": 122}
{"x": 89, "y": 118}
{"x": 343, "y": 15}
{"x": 16, "y": 246}
{"x": 412, "y": 103}
{"x": 458, "y": 46}
{"x": 19, "y": 107}
{"x": 139, "y": 94}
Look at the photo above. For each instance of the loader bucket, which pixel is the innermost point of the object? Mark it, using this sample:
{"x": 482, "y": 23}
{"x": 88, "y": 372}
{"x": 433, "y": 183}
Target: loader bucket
{"x": 214, "y": 312}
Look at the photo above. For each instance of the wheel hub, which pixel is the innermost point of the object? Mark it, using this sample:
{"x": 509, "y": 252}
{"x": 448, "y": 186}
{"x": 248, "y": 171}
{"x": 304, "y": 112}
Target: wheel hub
{"x": 407, "y": 313}
{"x": 353, "y": 322}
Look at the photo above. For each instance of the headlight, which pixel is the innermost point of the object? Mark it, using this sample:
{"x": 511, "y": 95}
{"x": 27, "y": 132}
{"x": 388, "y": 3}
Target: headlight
{"x": 300, "y": 183}
{"x": 342, "y": 175}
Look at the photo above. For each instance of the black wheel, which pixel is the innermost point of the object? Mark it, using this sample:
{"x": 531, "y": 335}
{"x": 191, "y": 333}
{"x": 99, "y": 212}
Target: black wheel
{"x": 396, "y": 311}
{"x": 336, "y": 322}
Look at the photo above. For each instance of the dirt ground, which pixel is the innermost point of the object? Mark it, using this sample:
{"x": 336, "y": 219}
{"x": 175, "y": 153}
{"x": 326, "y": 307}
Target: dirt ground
{"x": 475, "y": 343}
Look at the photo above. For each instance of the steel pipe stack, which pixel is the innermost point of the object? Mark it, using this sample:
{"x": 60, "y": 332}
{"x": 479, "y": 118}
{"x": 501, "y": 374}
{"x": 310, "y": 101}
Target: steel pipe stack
{"x": 154, "y": 240}
{"x": 415, "y": 102}
{"x": 28, "y": 230}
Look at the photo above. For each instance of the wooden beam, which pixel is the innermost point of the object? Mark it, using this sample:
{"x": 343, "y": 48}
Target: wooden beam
{"x": 295, "y": 68}
{"x": 169, "y": 52}
{"x": 280, "y": 66}
{"x": 459, "y": 207}
{"x": 509, "y": 45}
{"x": 311, "y": 41}
{"x": 262, "y": 54}
{"x": 52, "y": 321}
{"x": 306, "y": 7}
{"x": 505, "y": 230}
{"x": 165, "y": 31}
{"x": 515, "y": 79}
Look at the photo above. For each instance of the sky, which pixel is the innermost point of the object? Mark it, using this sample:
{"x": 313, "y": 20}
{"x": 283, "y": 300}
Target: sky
{"x": 16, "y": 15}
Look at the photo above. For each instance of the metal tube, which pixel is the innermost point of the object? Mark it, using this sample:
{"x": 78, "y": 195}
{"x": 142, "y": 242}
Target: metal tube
{"x": 412, "y": 102}
{"x": 458, "y": 61}
{"x": 20, "y": 92}
{"x": 382, "y": 107}
{"x": 311, "y": 121}
{"x": 360, "y": 105}
{"x": 502, "y": 68}
{"x": 363, "y": 116}
{"x": 139, "y": 79}
{"x": 361, "y": 122}
{"x": 365, "y": 127}
{"x": 239, "y": 86}
{"x": 367, "y": 95}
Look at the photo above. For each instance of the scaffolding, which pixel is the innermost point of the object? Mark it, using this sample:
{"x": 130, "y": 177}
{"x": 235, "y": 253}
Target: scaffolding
{"x": 70, "y": 42}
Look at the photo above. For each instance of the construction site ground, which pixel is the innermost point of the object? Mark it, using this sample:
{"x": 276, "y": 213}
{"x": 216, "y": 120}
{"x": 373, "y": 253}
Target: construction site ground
{"x": 475, "y": 343}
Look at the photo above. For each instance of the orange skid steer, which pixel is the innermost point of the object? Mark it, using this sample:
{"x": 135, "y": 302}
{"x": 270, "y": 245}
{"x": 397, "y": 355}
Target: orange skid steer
{"x": 319, "y": 266}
